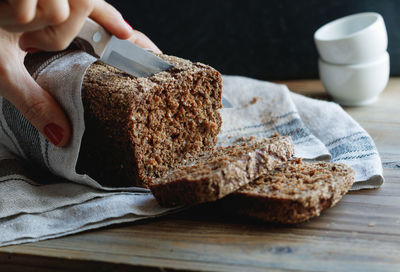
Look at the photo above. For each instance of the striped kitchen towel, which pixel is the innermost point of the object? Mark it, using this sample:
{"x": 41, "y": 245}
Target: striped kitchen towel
{"x": 320, "y": 130}
{"x": 42, "y": 196}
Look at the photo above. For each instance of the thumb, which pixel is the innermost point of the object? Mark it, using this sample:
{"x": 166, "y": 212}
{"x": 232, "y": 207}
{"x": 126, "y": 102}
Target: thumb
{"x": 37, "y": 105}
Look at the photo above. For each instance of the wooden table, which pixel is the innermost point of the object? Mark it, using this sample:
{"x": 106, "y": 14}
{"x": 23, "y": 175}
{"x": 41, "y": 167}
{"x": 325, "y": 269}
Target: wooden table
{"x": 362, "y": 233}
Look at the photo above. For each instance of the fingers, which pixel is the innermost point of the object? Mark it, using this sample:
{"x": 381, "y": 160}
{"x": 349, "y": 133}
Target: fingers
{"x": 17, "y": 12}
{"x": 143, "y": 41}
{"x": 110, "y": 18}
{"x": 18, "y": 87}
{"x": 51, "y": 25}
{"x": 37, "y": 105}
{"x": 58, "y": 37}
{"x": 43, "y": 14}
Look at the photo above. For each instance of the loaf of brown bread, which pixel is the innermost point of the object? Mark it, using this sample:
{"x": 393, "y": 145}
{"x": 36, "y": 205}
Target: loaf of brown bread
{"x": 137, "y": 129}
{"x": 223, "y": 172}
{"x": 293, "y": 192}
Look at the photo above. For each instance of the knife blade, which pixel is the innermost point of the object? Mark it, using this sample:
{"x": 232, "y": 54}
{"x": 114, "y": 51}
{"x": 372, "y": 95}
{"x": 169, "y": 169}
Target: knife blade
{"x": 226, "y": 103}
{"x": 121, "y": 54}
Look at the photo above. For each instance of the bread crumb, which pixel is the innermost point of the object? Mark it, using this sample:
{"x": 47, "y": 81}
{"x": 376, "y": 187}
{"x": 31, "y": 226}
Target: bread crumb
{"x": 371, "y": 224}
{"x": 254, "y": 100}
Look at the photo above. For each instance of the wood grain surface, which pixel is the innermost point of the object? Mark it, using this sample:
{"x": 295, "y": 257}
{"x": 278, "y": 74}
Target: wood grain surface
{"x": 361, "y": 233}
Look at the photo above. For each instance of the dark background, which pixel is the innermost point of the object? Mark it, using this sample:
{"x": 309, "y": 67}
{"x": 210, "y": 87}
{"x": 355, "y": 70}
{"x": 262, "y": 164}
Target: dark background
{"x": 270, "y": 39}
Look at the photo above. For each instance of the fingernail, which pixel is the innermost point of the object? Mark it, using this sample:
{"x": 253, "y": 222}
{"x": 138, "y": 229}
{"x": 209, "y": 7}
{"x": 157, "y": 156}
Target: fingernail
{"x": 128, "y": 25}
{"x": 32, "y": 50}
{"x": 54, "y": 133}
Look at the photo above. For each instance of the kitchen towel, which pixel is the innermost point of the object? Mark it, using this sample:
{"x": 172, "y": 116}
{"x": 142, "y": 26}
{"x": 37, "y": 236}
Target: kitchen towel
{"x": 320, "y": 130}
{"x": 40, "y": 204}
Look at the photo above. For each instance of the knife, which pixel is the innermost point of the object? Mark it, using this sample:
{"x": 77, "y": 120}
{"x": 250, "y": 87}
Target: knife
{"x": 226, "y": 103}
{"x": 121, "y": 54}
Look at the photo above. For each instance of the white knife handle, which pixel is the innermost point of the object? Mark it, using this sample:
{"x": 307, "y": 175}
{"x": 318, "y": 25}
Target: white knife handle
{"x": 95, "y": 35}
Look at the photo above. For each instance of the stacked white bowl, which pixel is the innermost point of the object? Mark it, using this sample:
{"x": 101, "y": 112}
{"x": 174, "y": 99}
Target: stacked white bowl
{"x": 353, "y": 64}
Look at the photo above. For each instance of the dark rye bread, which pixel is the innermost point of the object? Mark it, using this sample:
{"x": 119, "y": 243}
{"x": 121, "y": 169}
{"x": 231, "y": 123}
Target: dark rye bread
{"x": 138, "y": 128}
{"x": 223, "y": 172}
{"x": 294, "y": 192}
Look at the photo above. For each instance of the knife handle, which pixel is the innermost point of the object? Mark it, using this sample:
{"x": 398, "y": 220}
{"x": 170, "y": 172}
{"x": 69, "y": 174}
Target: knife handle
{"x": 93, "y": 38}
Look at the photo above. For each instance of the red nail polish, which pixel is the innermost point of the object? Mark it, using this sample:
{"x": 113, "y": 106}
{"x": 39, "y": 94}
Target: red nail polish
{"x": 128, "y": 24}
{"x": 32, "y": 50}
{"x": 54, "y": 133}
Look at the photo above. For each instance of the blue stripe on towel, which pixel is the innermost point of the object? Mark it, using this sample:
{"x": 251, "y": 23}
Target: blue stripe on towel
{"x": 358, "y": 145}
{"x": 356, "y": 157}
{"x": 345, "y": 137}
{"x": 294, "y": 128}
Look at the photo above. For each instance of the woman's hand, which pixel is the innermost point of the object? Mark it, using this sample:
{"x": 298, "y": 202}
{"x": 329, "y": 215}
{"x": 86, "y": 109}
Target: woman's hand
{"x": 18, "y": 87}
{"x": 50, "y": 25}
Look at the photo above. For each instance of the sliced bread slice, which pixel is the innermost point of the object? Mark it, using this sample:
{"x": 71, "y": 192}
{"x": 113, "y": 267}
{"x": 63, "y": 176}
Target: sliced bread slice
{"x": 223, "y": 172}
{"x": 294, "y": 192}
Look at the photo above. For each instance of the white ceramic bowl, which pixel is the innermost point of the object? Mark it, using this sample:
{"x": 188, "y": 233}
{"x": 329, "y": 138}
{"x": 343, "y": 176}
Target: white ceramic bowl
{"x": 352, "y": 39}
{"x": 357, "y": 84}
